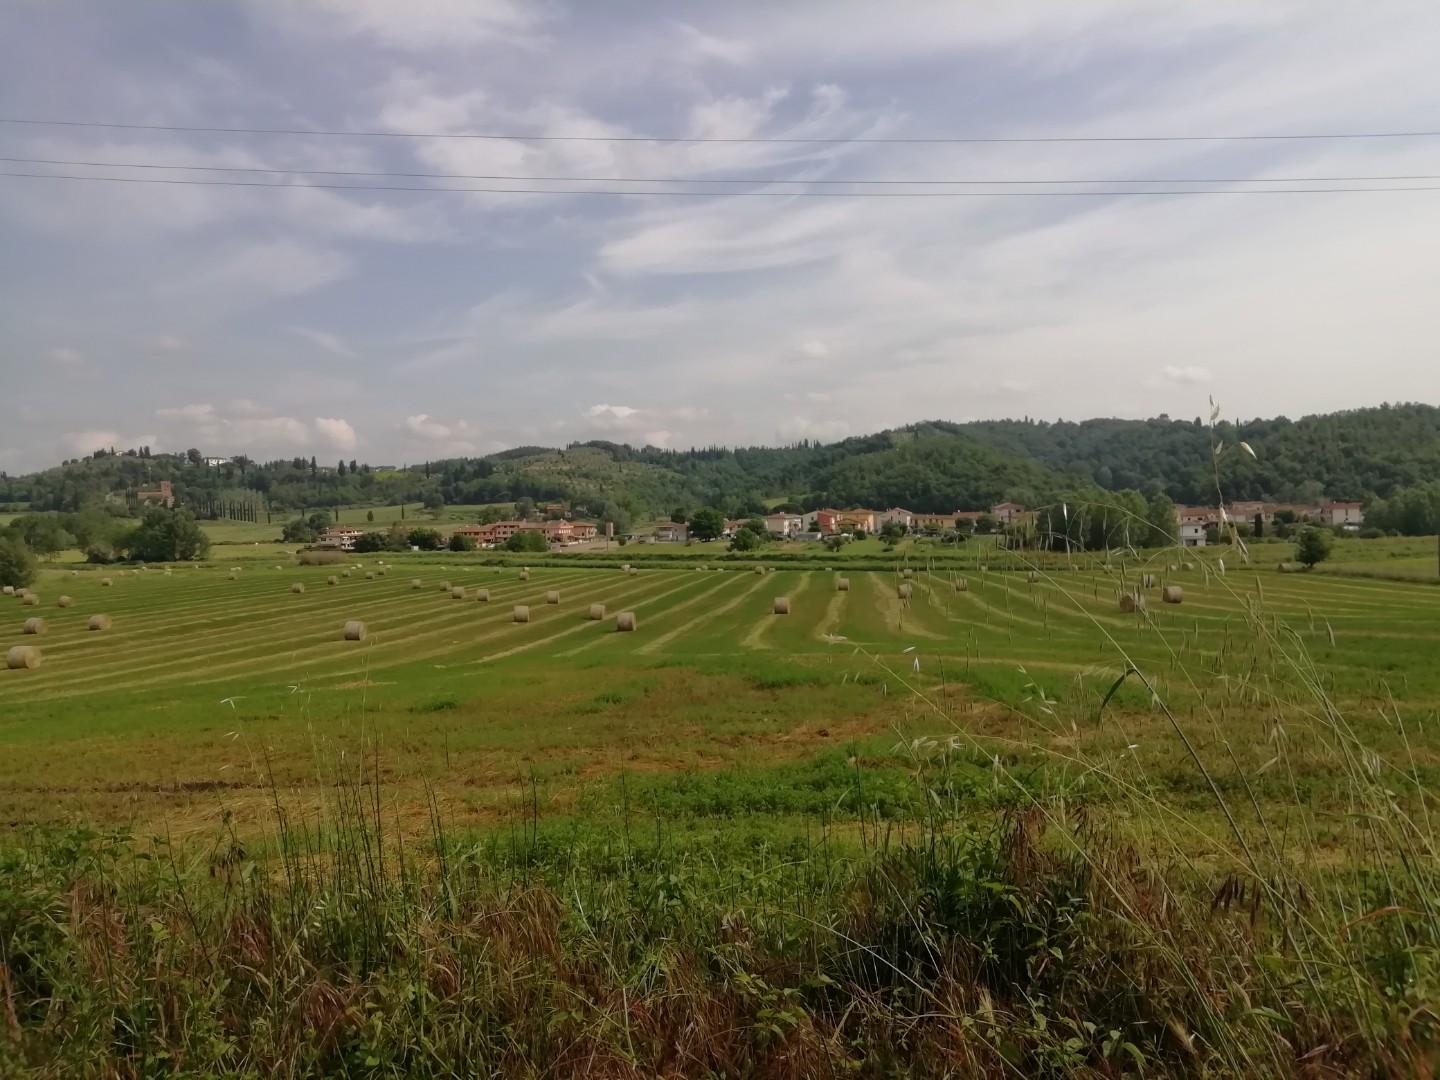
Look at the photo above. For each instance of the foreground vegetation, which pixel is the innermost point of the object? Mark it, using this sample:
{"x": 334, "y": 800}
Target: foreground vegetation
{"x": 1005, "y": 831}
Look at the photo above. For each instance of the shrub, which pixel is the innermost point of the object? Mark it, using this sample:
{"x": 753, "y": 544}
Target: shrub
{"x": 527, "y": 540}
{"x": 1313, "y": 547}
{"x": 461, "y": 542}
{"x": 17, "y": 565}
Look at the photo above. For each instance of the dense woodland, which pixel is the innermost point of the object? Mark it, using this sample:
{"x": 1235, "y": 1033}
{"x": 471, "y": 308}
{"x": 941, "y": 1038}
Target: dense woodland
{"x": 1387, "y": 456}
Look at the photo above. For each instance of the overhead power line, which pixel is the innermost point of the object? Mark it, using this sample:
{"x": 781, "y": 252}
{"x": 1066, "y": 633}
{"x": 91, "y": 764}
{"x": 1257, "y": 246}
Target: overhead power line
{"x": 716, "y": 194}
{"x": 796, "y": 140}
{"x": 868, "y": 181}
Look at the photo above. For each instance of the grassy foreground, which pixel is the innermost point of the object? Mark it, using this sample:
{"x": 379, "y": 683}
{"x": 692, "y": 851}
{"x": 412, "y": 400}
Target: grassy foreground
{"x": 1005, "y": 831}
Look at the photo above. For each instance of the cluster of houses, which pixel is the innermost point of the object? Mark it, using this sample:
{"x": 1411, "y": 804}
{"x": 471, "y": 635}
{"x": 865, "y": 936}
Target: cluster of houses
{"x": 1196, "y": 521}
{"x": 818, "y": 524}
{"x": 559, "y": 532}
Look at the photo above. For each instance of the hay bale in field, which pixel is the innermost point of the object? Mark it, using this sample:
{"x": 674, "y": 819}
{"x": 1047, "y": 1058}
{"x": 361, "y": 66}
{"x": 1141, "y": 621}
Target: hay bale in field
{"x": 907, "y": 572}
{"x": 66, "y": 601}
{"x": 297, "y": 586}
{"x": 30, "y": 599}
{"x": 552, "y": 597}
{"x": 277, "y": 566}
{"x": 23, "y": 658}
{"x": 98, "y": 622}
{"x": 1147, "y": 581}
{"x": 759, "y": 570}
{"x": 345, "y": 573}
{"x": 380, "y": 573}
{"x": 332, "y": 580}
{"x": 444, "y": 586}
{"x": 625, "y": 621}
{"x": 781, "y": 605}
{"x": 1130, "y": 602}
{"x": 416, "y": 583}
{"x": 903, "y": 590}
{"x": 9, "y": 590}
{"x": 524, "y": 575}
{"x": 1187, "y": 566}
{"x": 483, "y": 595}
{"x": 633, "y": 571}
{"x": 33, "y": 626}
{"x": 521, "y": 613}
{"x": 369, "y": 575}
{"x": 597, "y": 611}
{"x": 961, "y": 585}
{"x": 1172, "y": 594}
{"x": 842, "y": 584}
{"x": 354, "y": 630}
{"x": 625, "y": 568}
{"x": 457, "y": 593}
{"x": 1172, "y": 568}
{"x": 105, "y": 583}
{"x": 1032, "y": 576}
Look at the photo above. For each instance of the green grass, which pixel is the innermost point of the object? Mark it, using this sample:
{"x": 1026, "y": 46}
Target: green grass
{"x": 957, "y": 833}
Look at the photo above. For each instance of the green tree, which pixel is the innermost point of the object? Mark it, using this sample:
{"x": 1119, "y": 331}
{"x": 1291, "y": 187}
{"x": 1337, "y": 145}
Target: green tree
{"x": 524, "y": 507}
{"x": 461, "y": 542}
{"x": 369, "y": 515}
{"x": 17, "y": 565}
{"x": 678, "y": 515}
{"x": 425, "y": 539}
{"x": 167, "y": 536}
{"x": 1313, "y": 547}
{"x": 434, "y": 501}
{"x": 892, "y": 532}
{"x": 1160, "y": 522}
{"x": 745, "y": 540}
{"x": 527, "y": 540}
{"x": 706, "y": 524}
{"x": 372, "y": 541}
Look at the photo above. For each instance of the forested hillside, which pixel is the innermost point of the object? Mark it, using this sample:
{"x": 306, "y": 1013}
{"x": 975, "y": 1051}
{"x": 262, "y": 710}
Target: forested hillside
{"x": 931, "y": 466}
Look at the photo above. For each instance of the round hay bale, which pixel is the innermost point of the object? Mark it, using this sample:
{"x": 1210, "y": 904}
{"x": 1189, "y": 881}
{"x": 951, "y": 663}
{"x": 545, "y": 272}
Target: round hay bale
{"x": 1131, "y": 602}
{"x": 1187, "y": 566}
{"x": 457, "y": 593}
{"x": 76, "y": 573}
{"x": 625, "y": 621}
{"x": 345, "y": 573}
{"x": 66, "y": 601}
{"x": 903, "y": 590}
{"x": 297, "y": 586}
{"x": 30, "y": 599}
{"x": 961, "y": 585}
{"x": 277, "y": 567}
{"x": 625, "y": 567}
{"x": 907, "y": 572}
{"x": 332, "y": 580}
{"x": 369, "y": 575}
{"x": 105, "y": 583}
{"x": 354, "y": 630}
{"x": 842, "y": 584}
{"x": 1172, "y": 568}
{"x": 379, "y": 573}
{"x": 781, "y": 605}
{"x": 23, "y": 658}
{"x": 98, "y": 622}
{"x": 9, "y": 590}
{"x": 633, "y": 571}
{"x": 597, "y": 611}
{"x": 1147, "y": 581}
{"x": 33, "y": 626}
{"x": 1032, "y": 576}
{"x": 759, "y": 570}
{"x": 552, "y": 597}
{"x": 524, "y": 575}
{"x": 416, "y": 583}
{"x": 444, "y": 586}
{"x": 1172, "y": 594}
{"x": 483, "y": 595}
{"x": 521, "y": 613}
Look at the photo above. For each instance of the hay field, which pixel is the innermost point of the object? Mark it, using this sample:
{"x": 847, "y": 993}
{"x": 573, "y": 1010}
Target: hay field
{"x": 208, "y": 687}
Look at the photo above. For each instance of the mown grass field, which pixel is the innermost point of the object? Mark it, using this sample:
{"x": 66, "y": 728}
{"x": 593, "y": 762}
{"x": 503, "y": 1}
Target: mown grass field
{"x": 208, "y": 687}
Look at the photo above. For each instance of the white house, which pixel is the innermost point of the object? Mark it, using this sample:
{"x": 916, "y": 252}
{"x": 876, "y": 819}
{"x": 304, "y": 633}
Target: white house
{"x": 783, "y": 524}
{"x": 897, "y": 514}
{"x": 1192, "y": 534}
{"x": 1348, "y": 514}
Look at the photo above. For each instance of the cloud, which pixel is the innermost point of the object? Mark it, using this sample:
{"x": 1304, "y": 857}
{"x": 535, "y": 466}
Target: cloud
{"x": 440, "y": 438}
{"x": 87, "y": 442}
{"x": 421, "y": 25}
{"x": 332, "y": 343}
{"x": 339, "y": 432}
{"x": 611, "y": 412}
{"x": 1187, "y": 375}
{"x": 167, "y": 343}
{"x": 815, "y": 350}
{"x": 66, "y": 357}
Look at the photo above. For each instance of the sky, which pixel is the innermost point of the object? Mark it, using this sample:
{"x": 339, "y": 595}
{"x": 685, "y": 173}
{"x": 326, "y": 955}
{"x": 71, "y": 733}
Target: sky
{"x": 400, "y": 326}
